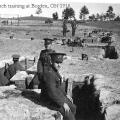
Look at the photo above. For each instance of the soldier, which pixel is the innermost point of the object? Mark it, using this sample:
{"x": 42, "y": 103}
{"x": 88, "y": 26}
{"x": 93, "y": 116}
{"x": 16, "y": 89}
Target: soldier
{"x": 3, "y": 80}
{"x": 44, "y": 60}
{"x": 13, "y": 68}
{"x": 51, "y": 91}
{"x": 64, "y": 27}
{"x": 73, "y": 25}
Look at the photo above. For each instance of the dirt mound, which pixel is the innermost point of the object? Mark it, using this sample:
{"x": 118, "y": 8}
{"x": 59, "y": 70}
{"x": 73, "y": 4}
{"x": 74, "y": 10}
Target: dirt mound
{"x": 13, "y": 106}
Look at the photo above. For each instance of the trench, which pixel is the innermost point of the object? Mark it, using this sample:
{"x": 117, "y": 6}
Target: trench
{"x": 88, "y": 106}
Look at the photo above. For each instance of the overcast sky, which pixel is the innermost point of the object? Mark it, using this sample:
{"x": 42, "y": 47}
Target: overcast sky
{"x": 28, "y": 7}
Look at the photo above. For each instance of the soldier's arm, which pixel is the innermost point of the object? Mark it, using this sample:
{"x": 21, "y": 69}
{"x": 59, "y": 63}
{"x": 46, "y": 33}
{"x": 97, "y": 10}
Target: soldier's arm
{"x": 39, "y": 66}
{"x": 7, "y": 74}
{"x": 57, "y": 95}
{"x": 3, "y": 80}
{"x": 55, "y": 92}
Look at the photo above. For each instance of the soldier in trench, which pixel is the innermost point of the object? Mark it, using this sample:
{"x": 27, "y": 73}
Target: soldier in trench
{"x": 44, "y": 60}
{"x": 13, "y": 68}
{"x": 51, "y": 92}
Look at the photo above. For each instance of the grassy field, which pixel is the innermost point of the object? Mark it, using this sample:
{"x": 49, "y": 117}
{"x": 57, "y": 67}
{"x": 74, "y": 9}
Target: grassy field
{"x": 21, "y": 43}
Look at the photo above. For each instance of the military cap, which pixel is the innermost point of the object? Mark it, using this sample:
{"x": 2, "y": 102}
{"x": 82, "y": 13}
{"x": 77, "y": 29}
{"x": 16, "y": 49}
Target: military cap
{"x": 57, "y": 57}
{"x": 48, "y": 41}
{"x": 15, "y": 56}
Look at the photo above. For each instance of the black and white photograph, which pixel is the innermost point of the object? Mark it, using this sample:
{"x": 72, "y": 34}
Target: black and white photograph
{"x": 59, "y": 60}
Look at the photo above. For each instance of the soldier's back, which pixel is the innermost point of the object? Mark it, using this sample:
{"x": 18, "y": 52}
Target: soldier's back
{"x": 12, "y": 69}
{"x": 3, "y": 80}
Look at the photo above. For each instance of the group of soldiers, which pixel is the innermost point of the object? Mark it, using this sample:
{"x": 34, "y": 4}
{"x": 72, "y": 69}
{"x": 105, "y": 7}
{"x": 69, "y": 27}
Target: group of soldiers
{"x": 47, "y": 78}
{"x": 73, "y": 26}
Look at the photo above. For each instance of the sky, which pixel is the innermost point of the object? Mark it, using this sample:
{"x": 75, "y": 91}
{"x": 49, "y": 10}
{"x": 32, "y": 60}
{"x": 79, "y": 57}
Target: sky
{"x": 10, "y": 8}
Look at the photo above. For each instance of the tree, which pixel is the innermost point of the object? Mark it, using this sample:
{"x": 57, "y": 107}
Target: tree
{"x": 110, "y": 9}
{"x": 97, "y": 16}
{"x": 38, "y": 11}
{"x": 109, "y": 13}
{"x": 102, "y": 17}
{"x": 68, "y": 13}
{"x": 83, "y": 12}
{"x": 55, "y": 16}
{"x": 92, "y": 17}
{"x": 117, "y": 18}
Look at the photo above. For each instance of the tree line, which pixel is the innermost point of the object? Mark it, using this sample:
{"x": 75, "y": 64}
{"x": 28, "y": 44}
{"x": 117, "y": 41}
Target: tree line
{"x": 69, "y": 13}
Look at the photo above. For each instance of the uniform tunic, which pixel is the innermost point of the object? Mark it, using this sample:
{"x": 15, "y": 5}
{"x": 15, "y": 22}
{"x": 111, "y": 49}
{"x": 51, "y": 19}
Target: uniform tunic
{"x": 53, "y": 93}
{"x": 43, "y": 61}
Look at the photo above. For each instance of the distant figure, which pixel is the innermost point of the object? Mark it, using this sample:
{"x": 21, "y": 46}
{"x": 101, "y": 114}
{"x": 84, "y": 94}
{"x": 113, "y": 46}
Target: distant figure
{"x": 7, "y": 22}
{"x": 13, "y": 68}
{"x": 69, "y": 41}
{"x": 11, "y": 22}
{"x": 51, "y": 92}
{"x": 84, "y": 57}
{"x": 64, "y": 27}
{"x": 73, "y": 25}
{"x": 3, "y": 80}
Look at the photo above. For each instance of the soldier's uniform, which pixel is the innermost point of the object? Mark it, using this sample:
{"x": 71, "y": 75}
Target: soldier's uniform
{"x": 3, "y": 80}
{"x": 64, "y": 28}
{"x": 53, "y": 94}
{"x": 73, "y": 25}
{"x": 13, "y": 68}
{"x": 44, "y": 60}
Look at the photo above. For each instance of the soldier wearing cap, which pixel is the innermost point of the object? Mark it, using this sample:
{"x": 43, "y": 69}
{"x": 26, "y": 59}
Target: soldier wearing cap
{"x": 13, "y": 68}
{"x": 44, "y": 60}
{"x": 51, "y": 91}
